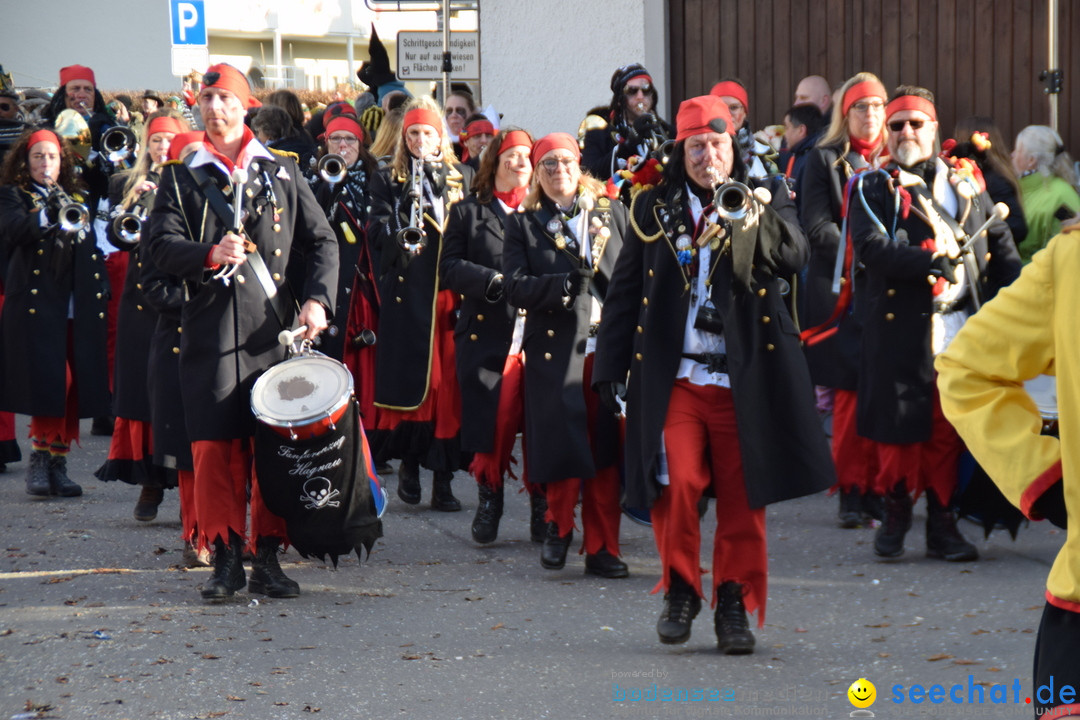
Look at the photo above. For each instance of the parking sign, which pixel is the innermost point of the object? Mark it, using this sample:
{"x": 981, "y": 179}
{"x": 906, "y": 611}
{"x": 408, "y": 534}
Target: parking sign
{"x": 188, "y": 22}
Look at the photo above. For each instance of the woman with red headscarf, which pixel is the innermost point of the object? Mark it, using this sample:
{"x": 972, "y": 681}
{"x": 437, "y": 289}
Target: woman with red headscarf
{"x": 417, "y": 400}
{"x": 489, "y": 362}
{"x": 557, "y": 259}
{"x": 132, "y": 195}
{"x": 854, "y": 141}
{"x": 52, "y": 328}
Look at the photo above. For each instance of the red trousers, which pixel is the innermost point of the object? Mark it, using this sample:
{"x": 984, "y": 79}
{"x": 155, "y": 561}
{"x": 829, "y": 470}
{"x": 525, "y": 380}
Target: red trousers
{"x": 489, "y": 468}
{"x": 188, "y": 519}
{"x": 702, "y": 444}
{"x": 131, "y": 440}
{"x": 927, "y": 465}
{"x": 600, "y": 509}
{"x": 224, "y": 470}
{"x": 116, "y": 265}
{"x": 60, "y": 431}
{"x": 855, "y": 457}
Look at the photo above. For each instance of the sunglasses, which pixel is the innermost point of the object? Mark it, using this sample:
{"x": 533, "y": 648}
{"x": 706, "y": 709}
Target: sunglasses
{"x": 463, "y": 112}
{"x": 632, "y": 90}
{"x": 898, "y": 125}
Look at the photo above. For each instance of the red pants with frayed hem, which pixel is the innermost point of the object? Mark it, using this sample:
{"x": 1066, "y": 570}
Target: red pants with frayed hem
{"x": 855, "y": 457}
{"x": 223, "y": 471}
{"x": 927, "y": 465}
{"x": 702, "y": 444}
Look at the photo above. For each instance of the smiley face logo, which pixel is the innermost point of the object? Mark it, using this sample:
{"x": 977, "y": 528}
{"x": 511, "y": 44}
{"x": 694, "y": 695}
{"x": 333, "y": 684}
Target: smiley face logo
{"x": 862, "y": 693}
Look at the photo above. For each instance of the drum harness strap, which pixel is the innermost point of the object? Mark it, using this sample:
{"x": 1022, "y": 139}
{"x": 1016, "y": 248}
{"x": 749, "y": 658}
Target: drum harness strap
{"x": 220, "y": 206}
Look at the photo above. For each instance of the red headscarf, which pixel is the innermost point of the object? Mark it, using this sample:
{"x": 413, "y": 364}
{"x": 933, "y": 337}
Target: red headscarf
{"x": 227, "y": 77}
{"x": 696, "y": 113}
{"x": 730, "y": 88}
{"x": 165, "y": 125}
{"x": 422, "y": 116}
{"x": 40, "y": 136}
{"x": 76, "y": 72}
{"x": 345, "y": 123}
{"x": 858, "y": 91}
{"x": 555, "y": 141}
{"x": 910, "y": 102}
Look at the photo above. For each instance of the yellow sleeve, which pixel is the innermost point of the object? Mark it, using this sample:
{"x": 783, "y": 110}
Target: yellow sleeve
{"x": 981, "y": 374}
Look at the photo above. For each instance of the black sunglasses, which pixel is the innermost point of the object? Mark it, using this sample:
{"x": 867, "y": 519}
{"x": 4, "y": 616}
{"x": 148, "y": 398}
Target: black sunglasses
{"x": 632, "y": 90}
{"x": 898, "y": 125}
{"x": 463, "y": 112}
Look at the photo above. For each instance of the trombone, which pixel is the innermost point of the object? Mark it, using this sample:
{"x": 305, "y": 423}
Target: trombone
{"x": 73, "y": 217}
{"x": 413, "y": 239}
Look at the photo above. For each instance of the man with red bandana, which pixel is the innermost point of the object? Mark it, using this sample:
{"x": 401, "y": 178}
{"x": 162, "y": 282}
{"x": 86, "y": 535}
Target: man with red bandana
{"x": 697, "y": 336}
{"x": 907, "y": 223}
{"x": 229, "y": 330}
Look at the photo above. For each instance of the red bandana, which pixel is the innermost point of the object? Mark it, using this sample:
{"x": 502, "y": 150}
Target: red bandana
{"x": 513, "y": 197}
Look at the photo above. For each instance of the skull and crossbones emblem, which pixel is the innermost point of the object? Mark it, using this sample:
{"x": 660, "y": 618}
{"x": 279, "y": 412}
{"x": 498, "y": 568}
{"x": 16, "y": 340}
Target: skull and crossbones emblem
{"x": 319, "y": 494}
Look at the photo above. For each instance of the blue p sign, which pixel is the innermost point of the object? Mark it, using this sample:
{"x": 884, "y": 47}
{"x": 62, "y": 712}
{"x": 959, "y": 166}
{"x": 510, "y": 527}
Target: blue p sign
{"x": 188, "y": 22}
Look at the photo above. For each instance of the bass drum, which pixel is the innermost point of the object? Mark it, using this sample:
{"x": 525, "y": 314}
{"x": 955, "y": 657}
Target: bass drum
{"x": 977, "y": 497}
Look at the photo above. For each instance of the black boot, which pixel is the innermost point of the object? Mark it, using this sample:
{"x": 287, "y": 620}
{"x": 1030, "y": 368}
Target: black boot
{"x": 228, "y": 575}
{"x": 873, "y": 507}
{"x": 442, "y": 497}
{"x": 605, "y": 565}
{"x": 267, "y": 577}
{"x": 537, "y": 511}
{"x": 681, "y": 606}
{"x": 489, "y": 510}
{"x": 889, "y": 540}
{"x": 943, "y": 538}
{"x": 408, "y": 474}
{"x": 102, "y": 426}
{"x": 733, "y": 636}
{"x": 147, "y": 504}
{"x": 59, "y": 482}
{"x": 850, "y": 515}
{"x": 553, "y": 553}
{"x": 37, "y": 474}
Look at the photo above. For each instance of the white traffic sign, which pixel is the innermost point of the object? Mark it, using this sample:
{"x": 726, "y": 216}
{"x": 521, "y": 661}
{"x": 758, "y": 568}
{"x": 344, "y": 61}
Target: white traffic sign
{"x": 188, "y": 21}
{"x": 186, "y": 58}
{"x": 419, "y": 55}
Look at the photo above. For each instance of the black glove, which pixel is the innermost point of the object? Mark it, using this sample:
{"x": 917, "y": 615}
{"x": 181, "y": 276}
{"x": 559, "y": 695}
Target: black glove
{"x": 609, "y": 393}
{"x": 494, "y": 289}
{"x": 577, "y": 282}
{"x": 1051, "y": 504}
{"x": 943, "y": 266}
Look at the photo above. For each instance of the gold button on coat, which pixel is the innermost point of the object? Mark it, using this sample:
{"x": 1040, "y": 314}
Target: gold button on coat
{"x": 547, "y": 356}
{"x": 473, "y": 337}
{"x": 176, "y": 351}
{"x": 891, "y": 292}
{"x": 766, "y": 319}
{"x": 551, "y": 333}
{"x": 889, "y": 317}
{"x": 480, "y": 317}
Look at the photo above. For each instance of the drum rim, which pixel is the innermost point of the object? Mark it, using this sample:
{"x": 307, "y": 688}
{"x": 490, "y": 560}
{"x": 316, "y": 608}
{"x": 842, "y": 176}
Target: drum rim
{"x": 310, "y": 419}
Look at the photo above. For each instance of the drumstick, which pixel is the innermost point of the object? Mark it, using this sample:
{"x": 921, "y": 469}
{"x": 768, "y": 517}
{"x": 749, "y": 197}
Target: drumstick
{"x": 288, "y": 337}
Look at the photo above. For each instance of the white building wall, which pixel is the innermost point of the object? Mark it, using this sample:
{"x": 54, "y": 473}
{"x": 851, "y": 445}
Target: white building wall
{"x": 544, "y": 64}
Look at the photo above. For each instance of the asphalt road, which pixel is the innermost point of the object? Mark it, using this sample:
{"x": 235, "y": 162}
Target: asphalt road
{"x": 98, "y": 620}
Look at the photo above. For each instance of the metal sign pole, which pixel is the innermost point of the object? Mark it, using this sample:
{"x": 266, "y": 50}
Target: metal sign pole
{"x": 447, "y": 64}
{"x": 1052, "y": 48}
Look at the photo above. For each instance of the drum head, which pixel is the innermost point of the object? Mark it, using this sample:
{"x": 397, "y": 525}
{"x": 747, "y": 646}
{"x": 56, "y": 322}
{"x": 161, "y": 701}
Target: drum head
{"x": 300, "y": 390}
{"x": 1043, "y": 390}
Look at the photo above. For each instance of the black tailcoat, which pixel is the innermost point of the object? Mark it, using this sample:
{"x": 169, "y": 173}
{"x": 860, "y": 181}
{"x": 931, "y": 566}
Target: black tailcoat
{"x": 34, "y": 324}
{"x": 554, "y": 343}
{"x": 472, "y": 257}
{"x": 784, "y": 450}
{"x": 230, "y": 332}
{"x": 896, "y": 375}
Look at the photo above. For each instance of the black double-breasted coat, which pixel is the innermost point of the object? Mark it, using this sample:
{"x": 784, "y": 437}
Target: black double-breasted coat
{"x": 641, "y": 340}
{"x": 896, "y": 374}
{"x": 408, "y": 285}
{"x": 555, "y": 340}
{"x": 41, "y": 289}
{"x": 472, "y": 257}
{"x": 833, "y": 362}
{"x": 230, "y": 331}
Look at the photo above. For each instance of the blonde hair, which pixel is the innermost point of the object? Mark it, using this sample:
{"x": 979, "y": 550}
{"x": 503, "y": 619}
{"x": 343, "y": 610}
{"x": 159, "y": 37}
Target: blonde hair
{"x": 1043, "y": 144}
{"x": 386, "y": 138}
{"x": 400, "y": 163}
{"x": 837, "y": 133}
{"x": 144, "y": 163}
{"x": 588, "y": 186}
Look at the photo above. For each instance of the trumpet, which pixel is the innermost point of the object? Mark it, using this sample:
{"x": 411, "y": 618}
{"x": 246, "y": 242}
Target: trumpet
{"x": 414, "y": 238}
{"x": 73, "y": 217}
{"x": 734, "y": 201}
{"x": 118, "y": 145}
{"x": 332, "y": 168}
{"x": 127, "y": 228}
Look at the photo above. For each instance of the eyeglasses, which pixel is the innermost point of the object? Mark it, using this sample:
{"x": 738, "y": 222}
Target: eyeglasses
{"x": 632, "y": 90}
{"x": 898, "y": 125}
{"x": 463, "y": 112}
{"x": 734, "y": 108}
{"x": 552, "y": 164}
{"x": 344, "y": 139}
{"x": 865, "y": 107}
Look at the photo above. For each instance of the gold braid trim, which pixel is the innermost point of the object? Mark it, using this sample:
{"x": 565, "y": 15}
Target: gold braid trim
{"x": 285, "y": 153}
{"x": 636, "y": 228}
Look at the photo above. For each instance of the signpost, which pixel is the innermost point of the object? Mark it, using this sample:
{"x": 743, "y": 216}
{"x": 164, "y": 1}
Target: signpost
{"x": 187, "y": 18}
{"x": 419, "y": 55}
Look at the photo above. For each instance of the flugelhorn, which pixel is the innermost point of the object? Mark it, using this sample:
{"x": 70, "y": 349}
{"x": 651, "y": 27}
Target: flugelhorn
{"x": 127, "y": 229}
{"x": 118, "y": 145}
{"x": 73, "y": 216}
{"x": 414, "y": 238}
{"x": 332, "y": 168}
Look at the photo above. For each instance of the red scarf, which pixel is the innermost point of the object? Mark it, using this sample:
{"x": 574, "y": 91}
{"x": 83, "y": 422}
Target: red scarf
{"x": 865, "y": 147}
{"x": 247, "y": 138}
{"x": 513, "y": 197}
